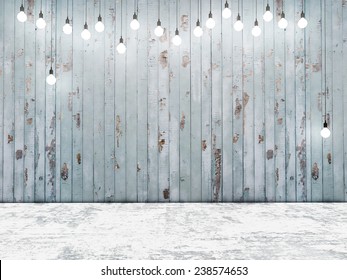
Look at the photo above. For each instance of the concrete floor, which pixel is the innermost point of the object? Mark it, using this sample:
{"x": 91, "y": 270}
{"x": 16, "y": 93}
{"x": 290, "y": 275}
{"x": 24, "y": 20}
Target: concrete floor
{"x": 173, "y": 231}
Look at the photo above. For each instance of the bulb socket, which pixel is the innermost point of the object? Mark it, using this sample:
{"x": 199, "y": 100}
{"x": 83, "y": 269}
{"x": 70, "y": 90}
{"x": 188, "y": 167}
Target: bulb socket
{"x": 226, "y": 4}
{"x": 177, "y": 32}
{"x": 40, "y": 14}
{"x": 198, "y": 23}
{"x": 210, "y": 15}
{"x": 67, "y": 20}
{"x": 85, "y": 26}
{"x": 256, "y": 22}
{"x": 267, "y": 8}
{"x": 302, "y": 14}
{"x": 238, "y": 17}
{"x": 325, "y": 125}
{"x": 158, "y": 22}
{"x": 21, "y": 9}
{"x": 283, "y": 15}
{"x": 51, "y": 71}
{"x": 99, "y": 18}
{"x": 135, "y": 16}
{"x": 121, "y": 41}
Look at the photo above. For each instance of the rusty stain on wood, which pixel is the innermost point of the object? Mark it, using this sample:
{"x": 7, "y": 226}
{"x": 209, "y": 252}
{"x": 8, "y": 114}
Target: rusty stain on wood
{"x": 29, "y": 121}
{"x": 279, "y": 121}
{"x": 161, "y": 142}
{"x": 78, "y": 158}
{"x": 64, "y": 173}
{"x": 183, "y": 121}
{"x": 185, "y": 22}
{"x": 315, "y": 171}
{"x": 245, "y": 99}
{"x": 236, "y": 137}
{"x": 19, "y": 154}
{"x": 77, "y": 119}
{"x": 163, "y": 58}
{"x": 164, "y": 37}
{"x": 238, "y": 108}
{"x": 9, "y": 139}
{"x": 277, "y": 174}
{"x": 52, "y": 125}
{"x": 27, "y": 85}
{"x": 26, "y": 108}
{"x": 185, "y": 60}
{"x": 166, "y": 193}
{"x": 260, "y": 139}
{"x": 218, "y": 171}
{"x": 329, "y": 158}
{"x": 26, "y": 175}
{"x": 118, "y": 129}
{"x": 204, "y": 145}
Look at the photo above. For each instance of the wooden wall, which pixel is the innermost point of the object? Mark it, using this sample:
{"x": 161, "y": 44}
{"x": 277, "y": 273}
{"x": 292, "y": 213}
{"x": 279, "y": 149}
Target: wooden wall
{"x": 226, "y": 117}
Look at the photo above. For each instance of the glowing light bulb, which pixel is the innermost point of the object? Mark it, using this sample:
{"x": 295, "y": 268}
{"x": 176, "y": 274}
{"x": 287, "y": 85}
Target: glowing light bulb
{"x": 238, "y": 25}
{"x": 256, "y": 31}
{"x": 85, "y": 33}
{"x": 51, "y": 80}
{"x": 283, "y": 23}
{"x": 198, "y": 30}
{"x": 99, "y": 26}
{"x": 21, "y": 16}
{"x": 210, "y": 23}
{"x": 121, "y": 48}
{"x": 67, "y": 28}
{"x": 176, "y": 40}
{"x": 267, "y": 15}
{"x": 134, "y": 24}
{"x": 159, "y": 31}
{"x": 226, "y": 13}
{"x": 302, "y": 23}
{"x": 40, "y": 23}
{"x": 325, "y": 132}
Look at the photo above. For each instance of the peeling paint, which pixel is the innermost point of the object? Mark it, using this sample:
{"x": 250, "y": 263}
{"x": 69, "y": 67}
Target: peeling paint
{"x": 70, "y": 101}
{"x": 9, "y": 139}
{"x": 64, "y": 173}
{"x": 19, "y": 154}
{"x": 119, "y": 131}
{"x": 279, "y": 121}
{"x": 260, "y": 139}
{"x": 204, "y": 145}
{"x": 329, "y": 158}
{"x": 162, "y": 103}
{"x": 236, "y": 137}
{"x": 184, "y": 22}
{"x": 161, "y": 144}
{"x": 52, "y": 125}
{"x": 163, "y": 58}
{"x": 29, "y": 121}
{"x": 245, "y": 99}
{"x": 218, "y": 171}
{"x": 238, "y": 108}
{"x": 77, "y": 119}
{"x": 277, "y": 174}
{"x": 183, "y": 121}
{"x": 269, "y": 154}
{"x": 26, "y": 175}
{"x": 315, "y": 171}
{"x": 78, "y": 158}
{"x": 164, "y": 37}
{"x": 166, "y": 193}
{"x": 185, "y": 60}
{"x": 138, "y": 167}
{"x": 26, "y": 108}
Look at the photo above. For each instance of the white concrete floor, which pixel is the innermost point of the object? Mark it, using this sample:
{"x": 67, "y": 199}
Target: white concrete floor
{"x": 173, "y": 231}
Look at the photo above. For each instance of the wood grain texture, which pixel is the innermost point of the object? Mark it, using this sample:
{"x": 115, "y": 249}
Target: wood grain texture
{"x": 225, "y": 117}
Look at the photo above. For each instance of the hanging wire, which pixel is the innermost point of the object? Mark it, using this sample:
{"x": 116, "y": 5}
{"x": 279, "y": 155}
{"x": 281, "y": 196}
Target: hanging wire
{"x": 86, "y": 12}
{"x": 325, "y": 61}
{"x": 51, "y": 33}
{"x": 210, "y": 5}
{"x": 158, "y": 9}
{"x": 121, "y": 18}
{"x": 41, "y": 6}
{"x": 137, "y": 7}
{"x": 67, "y": 4}
{"x": 177, "y": 14}
{"x": 198, "y": 9}
{"x": 99, "y": 7}
{"x": 256, "y": 9}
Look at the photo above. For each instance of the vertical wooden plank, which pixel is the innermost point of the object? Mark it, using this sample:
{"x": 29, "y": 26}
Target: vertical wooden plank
{"x": 259, "y": 110}
{"x": 185, "y": 97}
{"x": 121, "y": 22}
{"x": 19, "y": 77}
{"x": 315, "y": 80}
{"x": 280, "y": 92}
{"x": 99, "y": 108}
{"x": 8, "y": 113}
{"x": 109, "y": 17}
{"x": 78, "y": 160}
{"x": 50, "y": 115}
{"x": 344, "y": 32}
{"x": 88, "y": 111}
{"x": 174, "y": 108}
{"x": 196, "y": 145}
{"x": 269, "y": 88}
{"x": 337, "y": 160}
{"x": 206, "y": 98}
{"x": 163, "y": 78}
{"x": 29, "y": 107}
{"x": 301, "y": 114}
{"x": 64, "y": 108}
{"x": 2, "y": 95}
{"x": 153, "y": 133}
{"x": 130, "y": 98}
{"x": 248, "y": 103}
{"x": 142, "y": 101}
{"x": 290, "y": 102}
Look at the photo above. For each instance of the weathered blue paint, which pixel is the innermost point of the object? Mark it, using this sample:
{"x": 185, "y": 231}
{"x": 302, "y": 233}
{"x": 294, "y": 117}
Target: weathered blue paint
{"x": 225, "y": 117}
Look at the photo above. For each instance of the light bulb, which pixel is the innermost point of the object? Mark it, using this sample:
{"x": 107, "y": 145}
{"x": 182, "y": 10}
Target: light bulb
{"x": 134, "y": 24}
{"x": 198, "y": 30}
{"x": 325, "y": 132}
{"x": 40, "y": 23}
{"x": 302, "y": 23}
{"x": 238, "y": 25}
{"x": 85, "y": 33}
{"x": 176, "y": 40}
{"x": 283, "y": 23}
{"x": 210, "y": 23}
{"x": 21, "y": 16}
{"x": 121, "y": 48}
{"x": 99, "y": 26}
{"x": 51, "y": 80}
{"x": 267, "y": 15}
{"x": 67, "y": 28}
{"x": 159, "y": 31}
{"x": 226, "y": 13}
{"x": 256, "y": 31}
